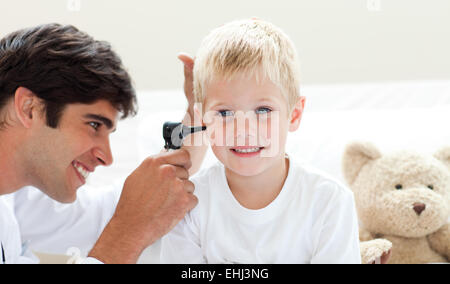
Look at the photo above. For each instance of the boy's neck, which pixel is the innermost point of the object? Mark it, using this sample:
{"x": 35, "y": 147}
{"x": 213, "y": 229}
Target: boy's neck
{"x": 257, "y": 192}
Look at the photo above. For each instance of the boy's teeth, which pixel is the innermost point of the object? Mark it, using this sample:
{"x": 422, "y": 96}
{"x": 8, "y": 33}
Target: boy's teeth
{"x": 252, "y": 150}
{"x": 84, "y": 173}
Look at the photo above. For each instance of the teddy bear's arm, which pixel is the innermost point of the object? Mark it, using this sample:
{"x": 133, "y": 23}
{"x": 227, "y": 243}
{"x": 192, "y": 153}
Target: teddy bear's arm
{"x": 440, "y": 241}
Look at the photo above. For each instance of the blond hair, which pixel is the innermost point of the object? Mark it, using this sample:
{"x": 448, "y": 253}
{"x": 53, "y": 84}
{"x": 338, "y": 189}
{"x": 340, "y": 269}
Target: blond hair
{"x": 246, "y": 47}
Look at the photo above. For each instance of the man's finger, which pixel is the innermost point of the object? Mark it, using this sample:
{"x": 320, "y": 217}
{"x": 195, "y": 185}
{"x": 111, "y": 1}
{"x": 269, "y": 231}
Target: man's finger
{"x": 180, "y": 158}
{"x": 187, "y": 60}
{"x": 385, "y": 257}
{"x": 182, "y": 173}
{"x": 193, "y": 202}
{"x": 188, "y": 67}
{"x": 189, "y": 186}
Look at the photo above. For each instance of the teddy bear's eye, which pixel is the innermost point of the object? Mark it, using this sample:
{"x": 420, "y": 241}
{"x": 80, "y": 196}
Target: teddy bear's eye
{"x": 431, "y": 186}
{"x": 399, "y": 186}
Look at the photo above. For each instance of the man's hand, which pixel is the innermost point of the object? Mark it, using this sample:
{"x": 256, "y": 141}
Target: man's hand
{"x": 197, "y": 152}
{"x": 155, "y": 197}
{"x": 188, "y": 63}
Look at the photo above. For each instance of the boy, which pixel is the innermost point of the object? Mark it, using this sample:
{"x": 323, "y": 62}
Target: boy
{"x": 258, "y": 205}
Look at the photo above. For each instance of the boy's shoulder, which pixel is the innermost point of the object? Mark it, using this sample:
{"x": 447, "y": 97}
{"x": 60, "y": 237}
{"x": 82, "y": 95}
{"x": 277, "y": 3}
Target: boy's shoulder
{"x": 317, "y": 180}
{"x": 204, "y": 174}
{"x": 207, "y": 177}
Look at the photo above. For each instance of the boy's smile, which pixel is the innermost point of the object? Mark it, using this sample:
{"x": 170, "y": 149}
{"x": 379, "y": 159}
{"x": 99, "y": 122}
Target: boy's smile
{"x": 246, "y": 151}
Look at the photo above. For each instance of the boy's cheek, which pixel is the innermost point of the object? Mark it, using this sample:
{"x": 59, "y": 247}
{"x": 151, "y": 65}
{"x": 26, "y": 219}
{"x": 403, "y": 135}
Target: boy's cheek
{"x": 265, "y": 133}
{"x": 276, "y": 136}
{"x": 273, "y": 130}
{"x": 216, "y": 133}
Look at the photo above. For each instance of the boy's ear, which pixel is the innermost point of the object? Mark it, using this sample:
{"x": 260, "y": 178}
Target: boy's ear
{"x": 296, "y": 114}
{"x": 25, "y": 105}
{"x": 356, "y": 155}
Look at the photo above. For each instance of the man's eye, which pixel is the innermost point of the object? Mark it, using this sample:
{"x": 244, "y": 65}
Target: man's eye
{"x": 94, "y": 125}
{"x": 263, "y": 110}
{"x": 225, "y": 113}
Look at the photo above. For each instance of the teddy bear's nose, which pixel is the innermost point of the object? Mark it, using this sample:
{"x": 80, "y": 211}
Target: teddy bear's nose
{"x": 419, "y": 207}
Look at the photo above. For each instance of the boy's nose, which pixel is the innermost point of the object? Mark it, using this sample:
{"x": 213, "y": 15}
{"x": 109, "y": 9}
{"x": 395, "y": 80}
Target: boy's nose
{"x": 246, "y": 123}
{"x": 245, "y": 131}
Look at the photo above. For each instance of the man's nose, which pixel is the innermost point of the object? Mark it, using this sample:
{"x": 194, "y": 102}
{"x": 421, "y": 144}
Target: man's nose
{"x": 103, "y": 154}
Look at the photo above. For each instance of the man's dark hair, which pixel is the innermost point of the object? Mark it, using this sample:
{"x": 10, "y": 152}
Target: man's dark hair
{"x": 62, "y": 66}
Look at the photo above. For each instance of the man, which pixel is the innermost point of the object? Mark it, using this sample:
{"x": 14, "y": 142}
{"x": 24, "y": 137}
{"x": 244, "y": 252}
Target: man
{"x": 61, "y": 95}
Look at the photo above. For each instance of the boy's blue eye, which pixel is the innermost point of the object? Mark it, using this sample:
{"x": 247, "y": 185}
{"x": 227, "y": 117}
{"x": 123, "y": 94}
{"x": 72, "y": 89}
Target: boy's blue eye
{"x": 225, "y": 113}
{"x": 94, "y": 125}
{"x": 263, "y": 110}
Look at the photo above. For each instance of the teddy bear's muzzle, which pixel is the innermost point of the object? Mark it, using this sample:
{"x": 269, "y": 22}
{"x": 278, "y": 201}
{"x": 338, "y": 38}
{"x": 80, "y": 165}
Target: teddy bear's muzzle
{"x": 419, "y": 207}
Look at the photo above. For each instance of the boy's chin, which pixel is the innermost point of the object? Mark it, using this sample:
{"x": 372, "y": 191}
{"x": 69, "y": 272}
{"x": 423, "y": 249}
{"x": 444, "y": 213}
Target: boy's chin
{"x": 250, "y": 170}
{"x": 247, "y": 167}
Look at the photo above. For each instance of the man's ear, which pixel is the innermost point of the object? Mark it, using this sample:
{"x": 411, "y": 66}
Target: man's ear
{"x": 356, "y": 155}
{"x": 444, "y": 156}
{"x": 25, "y": 105}
{"x": 296, "y": 114}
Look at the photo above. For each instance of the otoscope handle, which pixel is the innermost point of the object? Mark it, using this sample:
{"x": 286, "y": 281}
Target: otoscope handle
{"x": 175, "y": 132}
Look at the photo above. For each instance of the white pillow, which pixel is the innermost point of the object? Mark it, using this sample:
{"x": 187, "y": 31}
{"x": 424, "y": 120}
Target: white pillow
{"x": 322, "y": 136}
{"x": 377, "y": 96}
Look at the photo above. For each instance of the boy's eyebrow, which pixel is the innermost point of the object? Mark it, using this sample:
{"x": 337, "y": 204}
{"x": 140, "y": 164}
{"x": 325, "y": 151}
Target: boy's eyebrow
{"x": 263, "y": 100}
{"x": 106, "y": 121}
{"x": 218, "y": 104}
{"x": 266, "y": 100}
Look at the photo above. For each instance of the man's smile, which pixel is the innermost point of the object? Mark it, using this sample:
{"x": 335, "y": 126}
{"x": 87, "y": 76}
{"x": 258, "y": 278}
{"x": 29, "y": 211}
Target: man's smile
{"x": 82, "y": 170}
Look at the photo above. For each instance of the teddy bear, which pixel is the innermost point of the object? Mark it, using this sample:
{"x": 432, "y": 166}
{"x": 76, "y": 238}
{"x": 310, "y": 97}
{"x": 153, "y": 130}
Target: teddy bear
{"x": 402, "y": 198}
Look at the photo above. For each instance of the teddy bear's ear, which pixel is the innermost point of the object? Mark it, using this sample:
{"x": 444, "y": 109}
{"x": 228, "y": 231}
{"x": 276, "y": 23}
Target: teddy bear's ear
{"x": 444, "y": 156}
{"x": 356, "y": 155}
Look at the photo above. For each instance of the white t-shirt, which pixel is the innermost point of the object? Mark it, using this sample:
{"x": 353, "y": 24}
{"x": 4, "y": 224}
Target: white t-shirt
{"x": 54, "y": 228}
{"x": 312, "y": 220}
{"x": 30, "y": 220}
{"x": 12, "y": 249}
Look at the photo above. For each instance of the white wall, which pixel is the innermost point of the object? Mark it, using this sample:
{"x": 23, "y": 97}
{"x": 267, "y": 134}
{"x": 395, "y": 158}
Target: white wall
{"x": 338, "y": 40}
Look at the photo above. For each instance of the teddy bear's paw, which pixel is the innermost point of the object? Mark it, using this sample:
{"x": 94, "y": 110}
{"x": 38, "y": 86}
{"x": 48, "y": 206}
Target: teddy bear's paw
{"x": 375, "y": 251}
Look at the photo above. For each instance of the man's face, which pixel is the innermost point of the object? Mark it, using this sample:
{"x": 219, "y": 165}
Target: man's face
{"x": 62, "y": 158}
{"x": 248, "y": 121}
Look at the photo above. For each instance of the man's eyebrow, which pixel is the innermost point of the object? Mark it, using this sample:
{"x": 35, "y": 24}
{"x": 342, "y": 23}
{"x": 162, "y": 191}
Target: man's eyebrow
{"x": 106, "y": 121}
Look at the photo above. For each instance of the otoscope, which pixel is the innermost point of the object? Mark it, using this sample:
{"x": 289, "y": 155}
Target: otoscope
{"x": 174, "y": 134}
